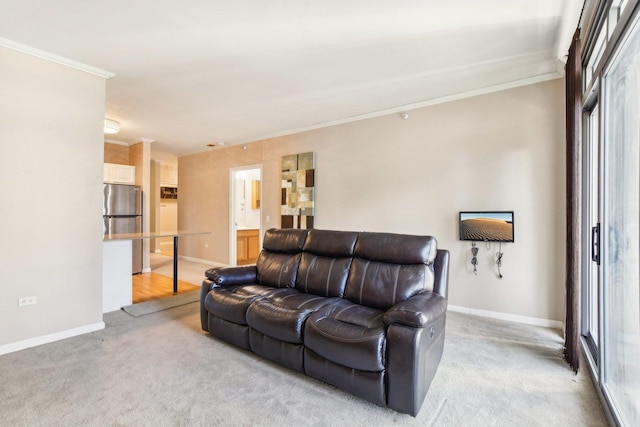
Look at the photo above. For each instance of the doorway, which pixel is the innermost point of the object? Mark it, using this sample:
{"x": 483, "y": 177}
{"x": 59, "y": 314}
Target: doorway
{"x": 245, "y": 216}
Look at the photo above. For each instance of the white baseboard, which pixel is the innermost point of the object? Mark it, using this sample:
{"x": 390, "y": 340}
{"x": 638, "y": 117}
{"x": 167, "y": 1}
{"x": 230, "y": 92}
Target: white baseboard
{"x": 45, "y": 339}
{"x": 535, "y": 321}
{"x": 146, "y": 270}
{"x": 202, "y": 261}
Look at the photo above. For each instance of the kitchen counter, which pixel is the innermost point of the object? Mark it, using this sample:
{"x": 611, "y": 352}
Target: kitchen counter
{"x": 116, "y": 275}
{"x": 153, "y": 235}
{"x": 116, "y": 265}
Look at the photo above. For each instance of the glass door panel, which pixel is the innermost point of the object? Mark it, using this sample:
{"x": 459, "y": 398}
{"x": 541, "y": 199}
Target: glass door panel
{"x": 590, "y": 318}
{"x": 620, "y": 232}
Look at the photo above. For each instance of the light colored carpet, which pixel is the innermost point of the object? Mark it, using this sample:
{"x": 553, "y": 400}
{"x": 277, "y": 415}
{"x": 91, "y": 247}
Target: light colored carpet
{"x": 153, "y": 306}
{"x": 163, "y": 370}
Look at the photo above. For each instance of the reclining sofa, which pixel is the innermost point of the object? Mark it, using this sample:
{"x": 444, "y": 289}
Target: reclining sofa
{"x": 362, "y": 311}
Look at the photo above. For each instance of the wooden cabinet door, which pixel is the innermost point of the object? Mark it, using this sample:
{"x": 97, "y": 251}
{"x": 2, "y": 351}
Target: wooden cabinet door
{"x": 241, "y": 250}
{"x": 255, "y": 194}
{"x": 247, "y": 246}
{"x": 253, "y": 246}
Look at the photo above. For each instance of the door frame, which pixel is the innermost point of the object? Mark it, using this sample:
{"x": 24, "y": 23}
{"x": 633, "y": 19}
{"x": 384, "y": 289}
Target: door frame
{"x": 624, "y": 23}
{"x": 591, "y": 280}
{"x": 232, "y": 209}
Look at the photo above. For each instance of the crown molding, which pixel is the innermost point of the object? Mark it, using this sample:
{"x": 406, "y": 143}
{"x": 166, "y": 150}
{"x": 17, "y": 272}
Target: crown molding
{"x": 414, "y": 106}
{"x": 113, "y": 141}
{"x": 129, "y": 144}
{"x": 560, "y": 66}
{"x": 569, "y": 22}
{"x": 400, "y": 109}
{"x": 10, "y": 44}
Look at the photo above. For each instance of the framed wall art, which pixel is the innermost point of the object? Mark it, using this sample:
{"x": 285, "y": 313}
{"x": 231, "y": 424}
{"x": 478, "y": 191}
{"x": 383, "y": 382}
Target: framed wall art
{"x": 298, "y": 188}
{"x": 487, "y": 226}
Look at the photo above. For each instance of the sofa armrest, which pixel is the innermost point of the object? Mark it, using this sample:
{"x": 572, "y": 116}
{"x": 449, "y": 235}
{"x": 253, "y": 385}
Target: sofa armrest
{"x": 418, "y": 311}
{"x": 441, "y": 272}
{"x": 223, "y": 276}
{"x": 228, "y": 276}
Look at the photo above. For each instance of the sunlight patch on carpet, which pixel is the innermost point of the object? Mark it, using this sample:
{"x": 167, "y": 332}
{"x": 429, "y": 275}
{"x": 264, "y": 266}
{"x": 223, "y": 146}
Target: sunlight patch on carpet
{"x": 156, "y": 305}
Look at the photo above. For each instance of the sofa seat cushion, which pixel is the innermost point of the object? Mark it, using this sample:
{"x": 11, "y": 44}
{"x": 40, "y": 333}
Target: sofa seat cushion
{"x": 282, "y": 314}
{"x": 231, "y": 303}
{"x": 348, "y": 334}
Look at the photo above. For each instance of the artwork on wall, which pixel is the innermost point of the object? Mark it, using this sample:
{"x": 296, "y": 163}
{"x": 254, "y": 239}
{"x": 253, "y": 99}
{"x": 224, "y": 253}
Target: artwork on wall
{"x": 494, "y": 226}
{"x": 298, "y": 172}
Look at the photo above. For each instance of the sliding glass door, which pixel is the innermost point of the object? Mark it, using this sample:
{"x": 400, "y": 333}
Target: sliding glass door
{"x": 611, "y": 206}
{"x": 620, "y": 230}
{"x": 591, "y": 236}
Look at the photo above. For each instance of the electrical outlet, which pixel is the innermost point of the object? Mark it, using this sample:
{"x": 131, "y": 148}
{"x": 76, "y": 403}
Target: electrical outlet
{"x": 27, "y": 301}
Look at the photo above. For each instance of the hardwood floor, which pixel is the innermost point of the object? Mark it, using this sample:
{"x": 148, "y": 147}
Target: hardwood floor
{"x": 150, "y": 286}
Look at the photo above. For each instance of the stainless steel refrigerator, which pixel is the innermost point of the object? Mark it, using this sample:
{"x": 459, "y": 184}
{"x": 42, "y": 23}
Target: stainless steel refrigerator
{"x": 122, "y": 214}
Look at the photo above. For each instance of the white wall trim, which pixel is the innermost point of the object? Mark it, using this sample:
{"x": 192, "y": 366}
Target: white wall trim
{"x": 202, "y": 261}
{"x": 535, "y": 321}
{"x": 54, "y": 58}
{"x": 45, "y": 339}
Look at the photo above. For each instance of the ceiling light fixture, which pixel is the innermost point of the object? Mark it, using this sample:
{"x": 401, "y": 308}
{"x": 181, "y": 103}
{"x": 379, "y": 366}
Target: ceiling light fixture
{"x": 111, "y": 126}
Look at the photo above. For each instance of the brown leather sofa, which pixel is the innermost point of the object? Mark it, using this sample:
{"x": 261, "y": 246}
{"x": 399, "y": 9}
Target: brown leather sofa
{"x": 362, "y": 311}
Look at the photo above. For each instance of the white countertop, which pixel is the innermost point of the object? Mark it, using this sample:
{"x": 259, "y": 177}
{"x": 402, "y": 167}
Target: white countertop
{"x": 152, "y": 235}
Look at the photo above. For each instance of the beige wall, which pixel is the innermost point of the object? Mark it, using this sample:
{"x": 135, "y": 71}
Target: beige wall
{"x": 204, "y": 199}
{"x": 501, "y": 151}
{"x": 168, "y": 222}
{"x": 51, "y": 154}
{"x": 116, "y": 153}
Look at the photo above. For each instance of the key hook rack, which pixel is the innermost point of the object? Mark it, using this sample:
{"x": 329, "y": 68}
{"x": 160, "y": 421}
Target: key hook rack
{"x": 487, "y": 227}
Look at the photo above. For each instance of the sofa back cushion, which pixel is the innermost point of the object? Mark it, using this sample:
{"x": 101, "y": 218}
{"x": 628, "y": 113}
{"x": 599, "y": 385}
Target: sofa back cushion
{"x": 325, "y": 263}
{"x": 286, "y": 241}
{"x": 390, "y": 268}
{"x": 278, "y": 262}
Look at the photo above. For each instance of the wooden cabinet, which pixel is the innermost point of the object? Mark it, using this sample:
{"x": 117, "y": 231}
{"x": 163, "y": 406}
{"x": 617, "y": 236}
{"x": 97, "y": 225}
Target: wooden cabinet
{"x": 255, "y": 194}
{"x": 168, "y": 175}
{"x": 119, "y": 174}
{"x": 247, "y": 246}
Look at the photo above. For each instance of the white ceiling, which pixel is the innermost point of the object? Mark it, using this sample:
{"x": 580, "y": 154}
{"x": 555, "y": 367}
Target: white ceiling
{"x": 196, "y": 72}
